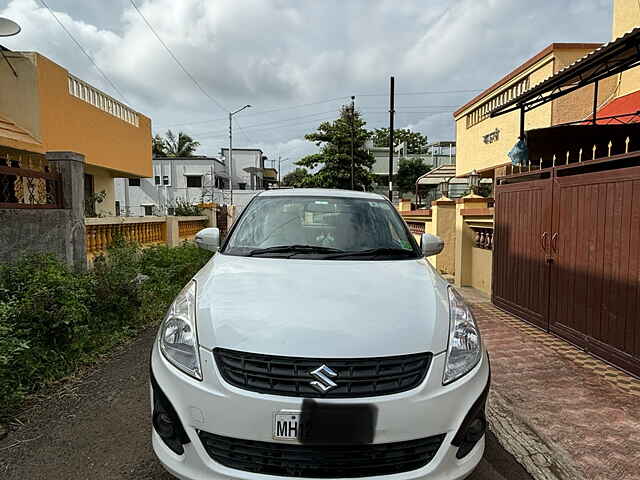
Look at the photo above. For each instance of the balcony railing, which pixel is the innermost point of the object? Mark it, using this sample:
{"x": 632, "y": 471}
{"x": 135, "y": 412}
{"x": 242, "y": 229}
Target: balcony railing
{"x": 188, "y": 228}
{"x": 27, "y": 181}
{"x": 145, "y": 231}
{"x": 82, "y": 90}
{"x": 101, "y": 233}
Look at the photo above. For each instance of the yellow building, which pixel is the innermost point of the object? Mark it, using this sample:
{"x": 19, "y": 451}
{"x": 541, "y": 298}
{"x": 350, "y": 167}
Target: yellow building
{"x": 45, "y": 108}
{"x": 626, "y": 17}
{"x": 483, "y": 142}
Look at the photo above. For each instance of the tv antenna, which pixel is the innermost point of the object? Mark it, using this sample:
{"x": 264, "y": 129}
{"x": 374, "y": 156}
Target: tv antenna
{"x": 8, "y": 28}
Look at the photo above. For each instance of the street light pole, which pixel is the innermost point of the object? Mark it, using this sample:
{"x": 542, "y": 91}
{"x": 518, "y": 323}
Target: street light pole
{"x": 391, "y": 114}
{"x": 231, "y": 114}
{"x": 352, "y": 134}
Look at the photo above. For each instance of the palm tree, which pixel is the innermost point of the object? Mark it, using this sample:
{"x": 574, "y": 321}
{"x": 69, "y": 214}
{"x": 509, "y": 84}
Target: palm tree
{"x": 181, "y": 145}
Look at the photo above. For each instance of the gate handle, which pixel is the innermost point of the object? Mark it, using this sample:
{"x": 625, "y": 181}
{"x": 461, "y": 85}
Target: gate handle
{"x": 543, "y": 241}
{"x": 554, "y": 242}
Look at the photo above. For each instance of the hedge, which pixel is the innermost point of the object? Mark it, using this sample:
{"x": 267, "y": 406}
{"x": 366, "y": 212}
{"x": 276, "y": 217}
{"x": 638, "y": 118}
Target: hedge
{"x": 53, "y": 319}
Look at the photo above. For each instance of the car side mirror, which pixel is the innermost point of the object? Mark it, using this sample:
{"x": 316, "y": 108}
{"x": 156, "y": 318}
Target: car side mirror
{"x": 208, "y": 239}
{"x": 431, "y": 244}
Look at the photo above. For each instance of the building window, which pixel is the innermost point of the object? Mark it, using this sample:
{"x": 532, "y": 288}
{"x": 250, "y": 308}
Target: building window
{"x": 134, "y": 182}
{"x": 148, "y": 210}
{"x": 165, "y": 180}
{"x": 242, "y": 186}
{"x": 194, "y": 182}
{"x": 156, "y": 179}
{"x": 117, "y": 208}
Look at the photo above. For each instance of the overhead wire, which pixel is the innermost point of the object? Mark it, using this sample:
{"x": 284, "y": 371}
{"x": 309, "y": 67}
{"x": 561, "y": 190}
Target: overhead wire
{"x": 104, "y": 75}
{"x": 177, "y": 61}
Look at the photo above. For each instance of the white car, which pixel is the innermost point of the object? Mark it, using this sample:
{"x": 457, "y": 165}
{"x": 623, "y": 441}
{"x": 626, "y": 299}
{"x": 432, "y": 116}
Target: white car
{"x": 319, "y": 342}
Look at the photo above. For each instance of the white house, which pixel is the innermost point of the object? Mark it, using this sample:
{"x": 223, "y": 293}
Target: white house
{"x": 186, "y": 179}
{"x": 248, "y": 168}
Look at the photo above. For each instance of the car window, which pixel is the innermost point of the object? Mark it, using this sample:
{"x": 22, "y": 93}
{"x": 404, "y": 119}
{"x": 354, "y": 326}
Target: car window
{"x": 342, "y": 224}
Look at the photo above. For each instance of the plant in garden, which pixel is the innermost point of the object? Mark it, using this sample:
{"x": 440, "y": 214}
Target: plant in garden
{"x": 184, "y": 209}
{"x": 53, "y": 319}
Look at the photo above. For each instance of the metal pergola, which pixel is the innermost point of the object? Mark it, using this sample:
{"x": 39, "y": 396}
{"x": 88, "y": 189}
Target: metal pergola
{"x": 608, "y": 60}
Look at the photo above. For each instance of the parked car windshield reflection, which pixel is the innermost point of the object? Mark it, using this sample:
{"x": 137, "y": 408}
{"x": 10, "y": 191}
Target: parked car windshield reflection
{"x": 321, "y": 228}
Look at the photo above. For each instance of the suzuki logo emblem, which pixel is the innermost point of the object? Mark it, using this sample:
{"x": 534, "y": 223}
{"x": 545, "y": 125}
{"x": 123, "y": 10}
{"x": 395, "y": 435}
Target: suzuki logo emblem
{"x": 323, "y": 382}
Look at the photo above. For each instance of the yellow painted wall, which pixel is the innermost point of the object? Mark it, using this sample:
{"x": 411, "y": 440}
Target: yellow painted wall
{"x": 21, "y": 105}
{"x": 626, "y": 16}
{"x": 481, "y": 267}
{"x": 103, "y": 180}
{"x": 471, "y": 151}
{"x": 578, "y": 105}
{"x": 444, "y": 226}
{"x": 69, "y": 123}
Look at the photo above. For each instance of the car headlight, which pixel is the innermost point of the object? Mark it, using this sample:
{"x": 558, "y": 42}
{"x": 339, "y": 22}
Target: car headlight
{"x": 465, "y": 347}
{"x": 178, "y": 336}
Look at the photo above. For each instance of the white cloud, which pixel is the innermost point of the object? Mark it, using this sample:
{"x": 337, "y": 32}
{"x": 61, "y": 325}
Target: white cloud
{"x": 279, "y": 53}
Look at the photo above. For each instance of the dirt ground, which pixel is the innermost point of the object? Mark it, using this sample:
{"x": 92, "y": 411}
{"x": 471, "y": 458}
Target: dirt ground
{"x": 98, "y": 428}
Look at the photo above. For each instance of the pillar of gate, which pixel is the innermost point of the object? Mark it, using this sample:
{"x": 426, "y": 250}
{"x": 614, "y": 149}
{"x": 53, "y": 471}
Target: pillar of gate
{"x": 465, "y": 239}
{"x": 443, "y": 221}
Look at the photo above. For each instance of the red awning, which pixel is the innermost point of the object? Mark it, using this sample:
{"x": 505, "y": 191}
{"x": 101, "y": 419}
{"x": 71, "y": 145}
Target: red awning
{"x": 629, "y": 104}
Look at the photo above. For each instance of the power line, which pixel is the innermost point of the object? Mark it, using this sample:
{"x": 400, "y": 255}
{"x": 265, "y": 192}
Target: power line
{"x": 259, "y": 112}
{"x": 441, "y": 92}
{"x": 104, "y": 75}
{"x": 328, "y": 100}
{"x": 178, "y": 62}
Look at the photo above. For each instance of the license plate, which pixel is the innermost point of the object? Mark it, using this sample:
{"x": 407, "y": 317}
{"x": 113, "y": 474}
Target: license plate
{"x": 287, "y": 425}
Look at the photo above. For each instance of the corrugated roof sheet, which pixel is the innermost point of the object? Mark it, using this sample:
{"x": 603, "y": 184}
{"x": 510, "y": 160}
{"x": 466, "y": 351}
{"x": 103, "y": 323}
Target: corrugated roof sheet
{"x": 626, "y": 47}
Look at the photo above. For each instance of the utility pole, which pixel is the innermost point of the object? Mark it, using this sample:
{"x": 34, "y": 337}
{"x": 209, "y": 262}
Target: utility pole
{"x": 230, "y": 159}
{"x": 231, "y": 114}
{"x": 391, "y": 114}
{"x": 279, "y": 175}
{"x": 353, "y": 112}
{"x": 213, "y": 180}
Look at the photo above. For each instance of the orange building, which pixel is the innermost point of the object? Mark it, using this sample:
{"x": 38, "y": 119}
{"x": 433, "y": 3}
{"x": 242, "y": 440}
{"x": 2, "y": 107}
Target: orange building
{"x": 45, "y": 108}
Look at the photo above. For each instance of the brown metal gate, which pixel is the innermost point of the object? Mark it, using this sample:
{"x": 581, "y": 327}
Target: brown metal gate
{"x": 222, "y": 220}
{"x": 573, "y": 267}
{"x": 522, "y": 223}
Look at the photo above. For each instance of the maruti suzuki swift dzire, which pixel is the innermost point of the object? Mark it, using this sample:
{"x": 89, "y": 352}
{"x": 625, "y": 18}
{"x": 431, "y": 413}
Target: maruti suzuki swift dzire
{"x": 319, "y": 342}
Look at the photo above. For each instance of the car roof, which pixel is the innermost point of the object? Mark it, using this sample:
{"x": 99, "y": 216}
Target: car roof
{"x": 320, "y": 192}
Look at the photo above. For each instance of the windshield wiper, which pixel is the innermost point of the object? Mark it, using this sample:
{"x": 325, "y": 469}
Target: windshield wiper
{"x": 375, "y": 252}
{"x": 294, "y": 249}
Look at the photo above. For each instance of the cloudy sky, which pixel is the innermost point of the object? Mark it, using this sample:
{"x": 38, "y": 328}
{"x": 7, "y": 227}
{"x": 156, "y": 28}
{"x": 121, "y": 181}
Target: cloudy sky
{"x": 297, "y": 61}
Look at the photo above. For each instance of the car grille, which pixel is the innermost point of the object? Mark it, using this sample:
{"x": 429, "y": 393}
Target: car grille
{"x": 357, "y": 377}
{"x": 325, "y": 461}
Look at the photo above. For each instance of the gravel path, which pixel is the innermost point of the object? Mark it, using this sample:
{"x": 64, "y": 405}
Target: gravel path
{"x": 98, "y": 428}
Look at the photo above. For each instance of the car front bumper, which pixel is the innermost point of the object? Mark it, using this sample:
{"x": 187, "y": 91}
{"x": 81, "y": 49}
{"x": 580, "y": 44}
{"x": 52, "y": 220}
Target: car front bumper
{"x": 216, "y": 407}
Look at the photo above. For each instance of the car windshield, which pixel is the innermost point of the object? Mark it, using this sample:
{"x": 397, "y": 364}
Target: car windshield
{"x": 321, "y": 228}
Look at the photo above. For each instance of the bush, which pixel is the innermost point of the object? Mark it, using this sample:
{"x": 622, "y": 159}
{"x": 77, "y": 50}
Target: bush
{"x": 53, "y": 319}
{"x": 185, "y": 209}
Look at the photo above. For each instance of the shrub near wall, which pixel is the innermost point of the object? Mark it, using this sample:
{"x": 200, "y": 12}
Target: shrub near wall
{"x": 53, "y": 319}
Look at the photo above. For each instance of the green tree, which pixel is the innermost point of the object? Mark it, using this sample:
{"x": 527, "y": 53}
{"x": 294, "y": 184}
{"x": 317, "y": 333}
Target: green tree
{"x": 181, "y": 145}
{"x": 409, "y": 170}
{"x": 158, "y": 146}
{"x": 415, "y": 141}
{"x": 333, "y": 162}
{"x": 295, "y": 178}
